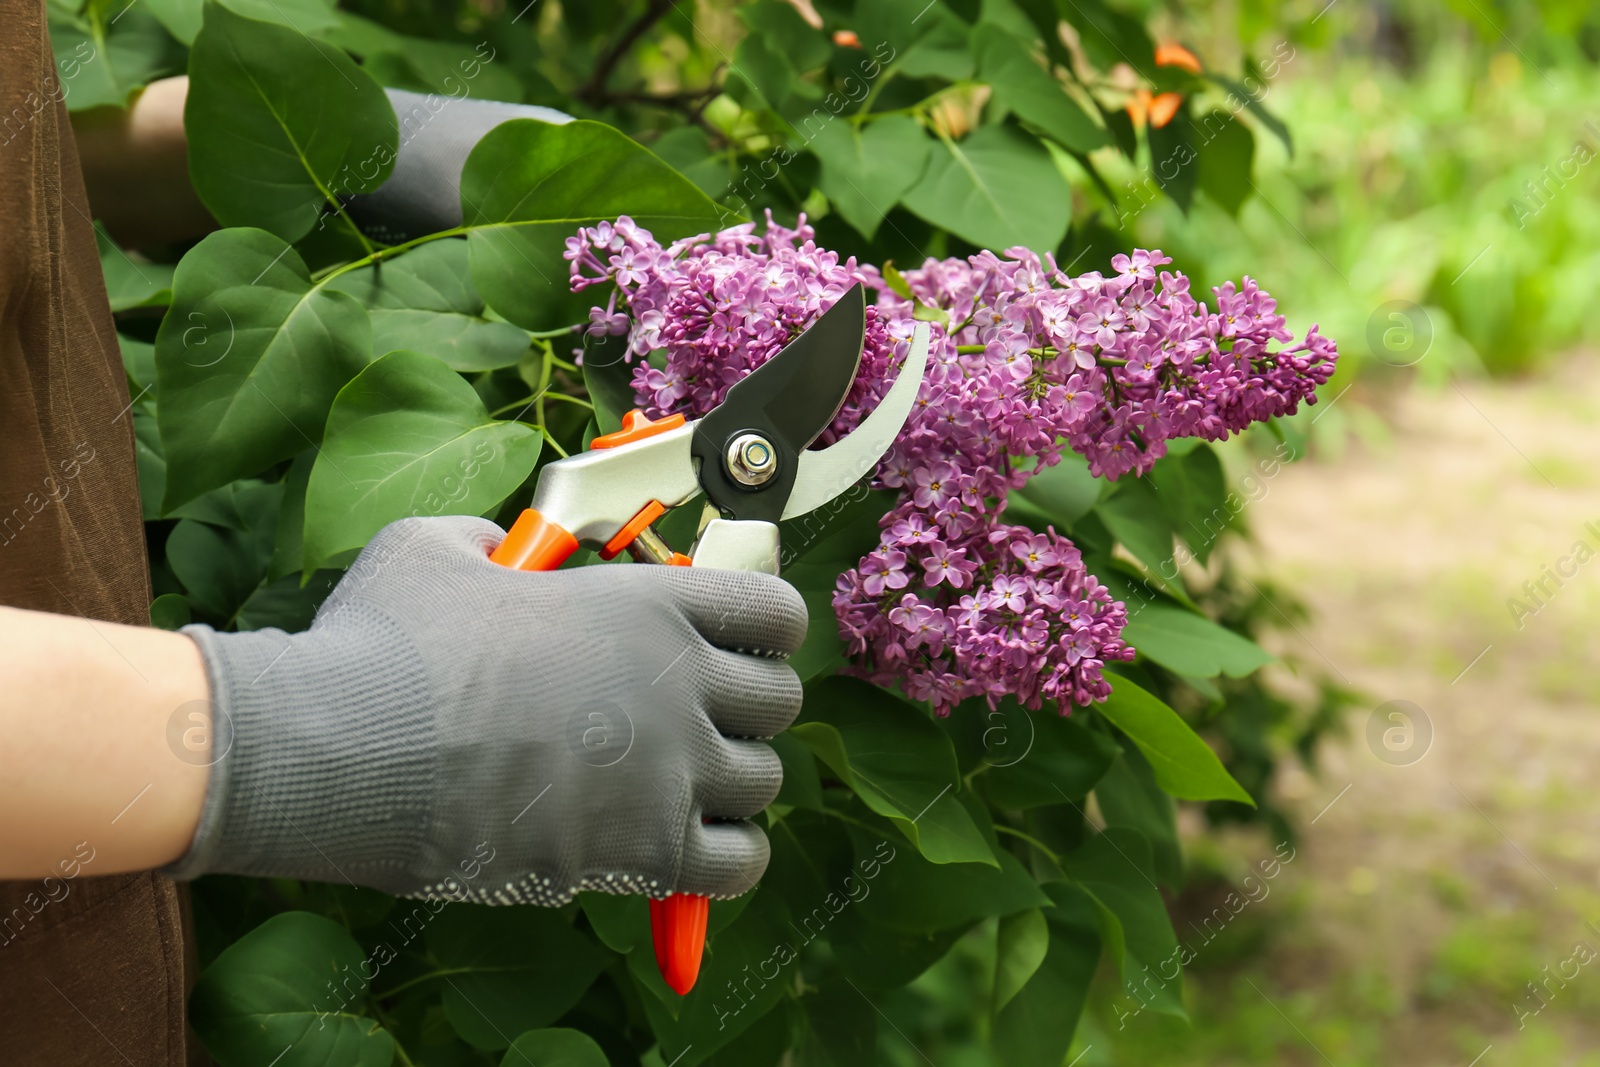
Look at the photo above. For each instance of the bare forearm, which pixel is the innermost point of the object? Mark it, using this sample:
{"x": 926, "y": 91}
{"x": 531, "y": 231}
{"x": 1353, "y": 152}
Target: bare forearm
{"x": 106, "y": 741}
{"x": 136, "y": 168}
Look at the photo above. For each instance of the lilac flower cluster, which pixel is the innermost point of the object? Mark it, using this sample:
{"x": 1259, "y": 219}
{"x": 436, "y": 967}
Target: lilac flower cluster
{"x": 954, "y": 603}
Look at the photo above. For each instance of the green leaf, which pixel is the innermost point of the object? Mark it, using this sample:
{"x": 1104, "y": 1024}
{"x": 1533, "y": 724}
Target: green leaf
{"x": 1022, "y": 942}
{"x": 1192, "y": 644}
{"x": 108, "y": 53}
{"x": 866, "y": 169}
{"x": 620, "y": 922}
{"x": 1227, "y": 151}
{"x": 1259, "y": 110}
{"x": 1134, "y": 515}
{"x": 288, "y": 552}
{"x": 278, "y": 126}
{"x": 762, "y": 66}
{"x": 408, "y": 436}
{"x": 444, "y": 68}
{"x": 914, "y": 895}
{"x": 183, "y": 18}
{"x": 997, "y": 188}
{"x": 129, "y": 283}
{"x": 139, "y": 360}
{"x": 271, "y": 994}
{"x": 248, "y": 359}
{"x": 802, "y": 785}
{"x": 1110, "y": 37}
{"x": 1065, "y": 491}
{"x": 1129, "y": 796}
{"x": 1193, "y": 494}
{"x": 781, "y": 24}
{"x": 897, "y": 761}
{"x": 529, "y": 185}
{"x": 688, "y": 150}
{"x": 221, "y": 567}
{"x": 425, "y": 301}
{"x": 1060, "y": 758}
{"x": 1114, "y": 867}
{"x": 554, "y": 1048}
{"x": 1173, "y": 159}
{"x": 920, "y": 312}
{"x": 287, "y": 604}
{"x": 151, "y": 463}
{"x": 608, "y": 377}
{"x": 841, "y": 1029}
{"x": 1020, "y": 83}
{"x": 170, "y": 611}
{"x": 1036, "y": 1026}
{"x": 519, "y": 969}
{"x": 1183, "y": 764}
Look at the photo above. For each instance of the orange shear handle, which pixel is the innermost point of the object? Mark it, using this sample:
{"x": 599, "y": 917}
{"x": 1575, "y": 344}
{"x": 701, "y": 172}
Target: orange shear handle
{"x": 678, "y": 923}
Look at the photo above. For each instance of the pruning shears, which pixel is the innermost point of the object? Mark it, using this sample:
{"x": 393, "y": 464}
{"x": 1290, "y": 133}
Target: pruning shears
{"x": 750, "y": 457}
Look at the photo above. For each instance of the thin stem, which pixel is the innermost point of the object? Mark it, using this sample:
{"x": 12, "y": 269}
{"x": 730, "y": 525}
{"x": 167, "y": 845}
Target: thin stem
{"x": 872, "y": 94}
{"x": 443, "y": 972}
{"x": 544, "y": 381}
{"x": 553, "y": 443}
{"x": 594, "y": 90}
{"x": 873, "y": 830}
{"x": 524, "y": 402}
{"x": 351, "y": 223}
{"x": 566, "y": 399}
{"x": 375, "y": 255}
{"x": 1030, "y": 839}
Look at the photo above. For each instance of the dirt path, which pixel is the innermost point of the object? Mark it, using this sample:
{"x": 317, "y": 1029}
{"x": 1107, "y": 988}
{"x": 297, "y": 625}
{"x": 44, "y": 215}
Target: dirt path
{"x": 1430, "y": 892}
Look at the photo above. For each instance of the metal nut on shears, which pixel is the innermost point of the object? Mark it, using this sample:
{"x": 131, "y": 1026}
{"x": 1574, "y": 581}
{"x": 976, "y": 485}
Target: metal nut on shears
{"x": 751, "y": 459}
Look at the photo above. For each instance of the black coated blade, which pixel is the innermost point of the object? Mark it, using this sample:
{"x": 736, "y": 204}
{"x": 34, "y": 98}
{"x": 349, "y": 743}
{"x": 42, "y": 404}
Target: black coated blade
{"x": 789, "y": 400}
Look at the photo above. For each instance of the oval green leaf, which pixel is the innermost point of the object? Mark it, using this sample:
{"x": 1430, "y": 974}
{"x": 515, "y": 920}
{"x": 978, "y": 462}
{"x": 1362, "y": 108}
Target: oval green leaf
{"x": 554, "y": 1048}
{"x": 408, "y": 436}
{"x": 1192, "y": 644}
{"x": 529, "y": 185}
{"x": 1005, "y": 62}
{"x": 1183, "y": 764}
{"x": 996, "y": 188}
{"x": 425, "y": 301}
{"x": 248, "y": 360}
{"x": 513, "y": 969}
{"x": 268, "y": 998}
{"x": 866, "y": 169}
{"x": 278, "y": 127}
{"x": 899, "y": 763}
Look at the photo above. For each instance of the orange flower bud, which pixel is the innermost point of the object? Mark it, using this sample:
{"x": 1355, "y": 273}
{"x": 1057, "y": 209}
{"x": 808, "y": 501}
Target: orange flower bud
{"x": 1175, "y": 55}
{"x": 1163, "y": 107}
{"x": 846, "y": 39}
{"x": 1139, "y": 106}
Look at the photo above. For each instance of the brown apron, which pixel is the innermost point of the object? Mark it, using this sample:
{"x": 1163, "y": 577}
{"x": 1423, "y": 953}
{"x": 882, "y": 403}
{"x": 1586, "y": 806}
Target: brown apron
{"x": 92, "y": 971}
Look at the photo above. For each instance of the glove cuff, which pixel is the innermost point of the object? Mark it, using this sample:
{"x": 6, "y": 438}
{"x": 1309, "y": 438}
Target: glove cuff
{"x": 324, "y": 750}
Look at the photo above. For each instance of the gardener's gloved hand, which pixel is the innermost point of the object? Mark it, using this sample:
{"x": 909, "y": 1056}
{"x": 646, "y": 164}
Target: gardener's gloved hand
{"x": 449, "y": 727}
{"x": 437, "y": 134}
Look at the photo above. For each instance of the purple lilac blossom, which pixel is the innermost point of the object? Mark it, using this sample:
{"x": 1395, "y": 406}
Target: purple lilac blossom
{"x": 954, "y": 602}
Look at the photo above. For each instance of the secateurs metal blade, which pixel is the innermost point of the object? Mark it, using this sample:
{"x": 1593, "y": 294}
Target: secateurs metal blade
{"x": 751, "y": 458}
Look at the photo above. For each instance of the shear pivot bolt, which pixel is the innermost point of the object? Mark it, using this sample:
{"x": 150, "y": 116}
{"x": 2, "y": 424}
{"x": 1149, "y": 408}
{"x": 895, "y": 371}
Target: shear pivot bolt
{"x": 751, "y": 459}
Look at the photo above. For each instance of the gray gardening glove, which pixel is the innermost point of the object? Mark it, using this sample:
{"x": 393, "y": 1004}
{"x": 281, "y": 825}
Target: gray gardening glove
{"x": 437, "y": 134}
{"x": 452, "y": 728}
